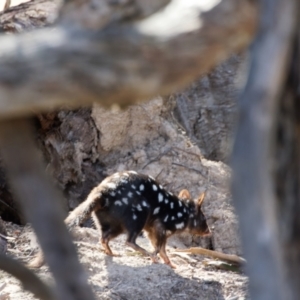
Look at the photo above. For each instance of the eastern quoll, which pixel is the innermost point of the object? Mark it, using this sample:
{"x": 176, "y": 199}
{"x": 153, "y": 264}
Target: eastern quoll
{"x": 129, "y": 202}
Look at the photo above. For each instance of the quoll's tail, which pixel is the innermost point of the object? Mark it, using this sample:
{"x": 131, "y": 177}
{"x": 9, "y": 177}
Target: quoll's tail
{"x": 76, "y": 217}
{"x": 82, "y": 212}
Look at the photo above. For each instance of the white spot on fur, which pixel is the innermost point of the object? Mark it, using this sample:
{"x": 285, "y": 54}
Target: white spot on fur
{"x": 111, "y": 185}
{"x": 180, "y": 203}
{"x": 139, "y": 193}
{"x": 172, "y": 205}
{"x": 180, "y": 225}
{"x": 154, "y": 187}
{"x": 134, "y": 217}
{"x": 139, "y": 207}
{"x": 166, "y": 218}
{"x": 184, "y": 210}
{"x": 142, "y": 187}
{"x": 173, "y": 218}
{"x": 119, "y": 192}
{"x": 160, "y": 197}
{"x": 133, "y": 186}
{"x": 124, "y": 180}
{"x": 118, "y": 203}
{"x": 156, "y": 210}
{"x": 166, "y": 200}
{"x": 179, "y": 214}
{"x": 125, "y": 200}
{"x": 112, "y": 194}
{"x": 160, "y": 186}
{"x": 129, "y": 194}
{"x": 144, "y": 203}
{"x": 171, "y": 194}
{"x": 195, "y": 223}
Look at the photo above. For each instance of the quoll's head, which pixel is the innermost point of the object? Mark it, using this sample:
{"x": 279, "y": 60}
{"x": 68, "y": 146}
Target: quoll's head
{"x": 197, "y": 222}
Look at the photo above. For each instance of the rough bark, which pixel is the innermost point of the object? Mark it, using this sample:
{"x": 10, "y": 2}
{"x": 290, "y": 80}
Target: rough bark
{"x": 208, "y": 108}
{"x": 28, "y": 16}
{"x": 9, "y": 209}
{"x": 3, "y": 240}
{"x": 287, "y": 170}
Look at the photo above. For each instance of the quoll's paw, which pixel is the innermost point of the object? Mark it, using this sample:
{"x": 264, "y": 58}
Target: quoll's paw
{"x": 154, "y": 258}
{"x": 172, "y": 265}
{"x": 109, "y": 253}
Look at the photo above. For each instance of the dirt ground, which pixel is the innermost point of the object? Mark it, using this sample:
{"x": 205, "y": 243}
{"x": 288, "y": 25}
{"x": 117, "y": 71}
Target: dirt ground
{"x": 129, "y": 276}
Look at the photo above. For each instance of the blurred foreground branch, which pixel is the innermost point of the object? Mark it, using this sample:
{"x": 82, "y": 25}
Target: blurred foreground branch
{"x": 119, "y": 62}
{"x": 255, "y": 153}
{"x": 41, "y": 205}
{"x": 29, "y": 280}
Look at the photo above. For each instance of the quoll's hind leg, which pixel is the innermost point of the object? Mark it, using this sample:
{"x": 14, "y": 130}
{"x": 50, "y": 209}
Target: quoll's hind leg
{"x": 106, "y": 237}
{"x": 107, "y": 233}
{"x": 131, "y": 242}
{"x": 158, "y": 238}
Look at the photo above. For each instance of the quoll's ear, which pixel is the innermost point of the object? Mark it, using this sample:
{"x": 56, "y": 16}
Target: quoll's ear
{"x": 200, "y": 199}
{"x": 184, "y": 194}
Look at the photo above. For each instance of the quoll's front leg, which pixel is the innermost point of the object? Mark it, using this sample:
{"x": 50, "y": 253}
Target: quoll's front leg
{"x": 131, "y": 242}
{"x": 165, "y": 257}
{"x": 158, "y": 238}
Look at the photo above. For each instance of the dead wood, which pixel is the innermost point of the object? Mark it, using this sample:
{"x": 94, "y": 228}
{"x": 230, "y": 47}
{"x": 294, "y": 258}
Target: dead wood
{"x": 28, "y": 16}
{"x": 29, "y": 280}
{"x": 71, "y": 65}
{"x": 41, "y": 205}
{"x": 215, "y": 254}
{"x": 7, "y": 4}
{"x": 254, "y": 151}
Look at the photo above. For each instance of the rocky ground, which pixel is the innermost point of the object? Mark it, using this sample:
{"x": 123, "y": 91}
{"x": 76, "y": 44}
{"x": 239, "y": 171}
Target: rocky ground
{"x": 130, "y": 276}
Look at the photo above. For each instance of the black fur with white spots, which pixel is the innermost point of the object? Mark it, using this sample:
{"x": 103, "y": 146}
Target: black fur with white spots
{"x": 128, "y": 202}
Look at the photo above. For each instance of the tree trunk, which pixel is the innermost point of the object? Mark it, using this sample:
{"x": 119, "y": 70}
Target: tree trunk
{"x": 266, "y": 156}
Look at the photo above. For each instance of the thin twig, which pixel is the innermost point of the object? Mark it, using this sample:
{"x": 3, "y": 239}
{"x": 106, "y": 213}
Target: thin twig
{"x": 160, "y": 172}
{"x": 189, "y": 168}
{"x": 158, "y": 157}
{"x": 7, "y": 237}
{"x": 188, "y": 152}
